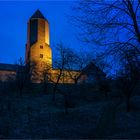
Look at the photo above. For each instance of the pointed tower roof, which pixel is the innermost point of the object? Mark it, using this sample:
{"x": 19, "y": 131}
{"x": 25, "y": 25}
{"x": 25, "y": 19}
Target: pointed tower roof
{"x": 37, "y": 14}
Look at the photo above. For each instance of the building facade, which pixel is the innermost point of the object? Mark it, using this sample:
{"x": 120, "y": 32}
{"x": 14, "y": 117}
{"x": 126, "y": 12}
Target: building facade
{"x": 38, "y": 57}
{"x": 39, "y": 53}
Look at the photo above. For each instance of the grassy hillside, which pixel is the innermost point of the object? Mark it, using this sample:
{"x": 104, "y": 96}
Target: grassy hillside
{"x": 90, "y": 114}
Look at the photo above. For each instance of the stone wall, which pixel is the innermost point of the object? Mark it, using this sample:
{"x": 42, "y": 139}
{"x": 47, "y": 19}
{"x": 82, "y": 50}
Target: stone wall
{"x": 7, "y": 75}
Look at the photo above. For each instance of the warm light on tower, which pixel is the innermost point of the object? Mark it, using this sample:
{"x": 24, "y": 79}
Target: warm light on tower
{"x": 38, "y": 49}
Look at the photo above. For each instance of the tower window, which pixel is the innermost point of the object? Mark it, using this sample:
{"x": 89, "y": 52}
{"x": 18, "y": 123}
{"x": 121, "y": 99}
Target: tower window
{"x": 41, "y": 47}
{"x": 41, "y": 55}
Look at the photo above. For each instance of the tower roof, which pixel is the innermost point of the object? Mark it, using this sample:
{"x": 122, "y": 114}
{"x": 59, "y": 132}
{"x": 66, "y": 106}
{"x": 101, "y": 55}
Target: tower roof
{"x": 37, "y": 14}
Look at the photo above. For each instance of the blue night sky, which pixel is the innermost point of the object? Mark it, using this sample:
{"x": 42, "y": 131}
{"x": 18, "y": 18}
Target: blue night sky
{"x": 13, "y": 23}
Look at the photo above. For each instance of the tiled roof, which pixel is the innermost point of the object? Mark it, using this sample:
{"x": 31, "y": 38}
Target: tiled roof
{"x": 91, "y": 68}
{"x": 9, "y": 67}
{"x": 37, "y": 14}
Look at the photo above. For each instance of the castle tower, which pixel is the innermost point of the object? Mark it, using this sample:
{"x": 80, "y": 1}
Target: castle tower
{"x": 38, "y": 51}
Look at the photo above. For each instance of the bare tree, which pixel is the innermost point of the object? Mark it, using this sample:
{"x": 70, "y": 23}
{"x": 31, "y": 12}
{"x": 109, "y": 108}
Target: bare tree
{"x": 129, "y": 76}
{"x": 61, "y": 64}
{"x": 113, "y": 29}
{"x": 46, "y": 75}
{"x": 76, "y": 66}
{"x": 101, "y": 75}
{"x": 22, "y": 75}
{"x": 106, "y": 21}
{"x": 109, "y": 26}
{"x": 60, "y": 74}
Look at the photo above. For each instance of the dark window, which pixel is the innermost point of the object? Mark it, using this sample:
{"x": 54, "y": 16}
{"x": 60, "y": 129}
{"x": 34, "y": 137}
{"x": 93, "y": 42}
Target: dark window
{"x": 41, "y": 55}
{"x": 33, "y": 31}
{"x": 41, "y": 47}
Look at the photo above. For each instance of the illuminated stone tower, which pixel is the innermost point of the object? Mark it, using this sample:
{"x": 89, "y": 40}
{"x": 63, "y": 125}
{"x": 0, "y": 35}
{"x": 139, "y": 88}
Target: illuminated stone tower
{"x": 38, "y": 51}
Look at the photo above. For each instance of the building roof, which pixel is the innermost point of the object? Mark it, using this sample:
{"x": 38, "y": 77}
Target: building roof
{"x": 38, "y": 14}
{"x": 92, "y": 69}
{"x": 9, "y": 67}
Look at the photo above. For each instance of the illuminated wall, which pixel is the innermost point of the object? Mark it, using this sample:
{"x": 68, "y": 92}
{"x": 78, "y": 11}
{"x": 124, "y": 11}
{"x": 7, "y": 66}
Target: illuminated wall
{"x": 66, "y": 76}
{"x": 38, "y": 49}
{"x": 39, "y": 53}
{"x": 7, "y": 75}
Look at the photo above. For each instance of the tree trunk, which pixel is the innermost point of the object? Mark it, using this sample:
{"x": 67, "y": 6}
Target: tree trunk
{"x": 66, "y": 104}
{"x": 54, "y": 92}
{"x": 106, "y": 94}
{"x": 20, "y": 91}
{"x": 135, "y": 22}
{"x": 75, "y": 84}
{"x": 55, "y": 86}
{"x": 128, "y": 106}
{"x": 45, "y": 87}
